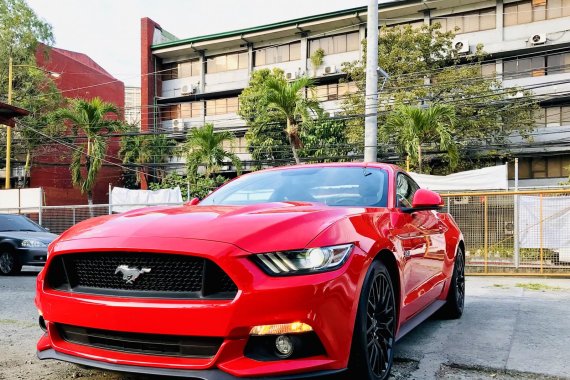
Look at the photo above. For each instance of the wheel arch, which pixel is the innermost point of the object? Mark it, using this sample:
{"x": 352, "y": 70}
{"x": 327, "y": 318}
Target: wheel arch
{"x": 7, "y": 245}
{"x": 387, "y": 257}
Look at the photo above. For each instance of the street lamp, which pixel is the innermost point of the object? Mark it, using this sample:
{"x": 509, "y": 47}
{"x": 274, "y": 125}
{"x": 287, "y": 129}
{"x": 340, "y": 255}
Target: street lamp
{"x": 9, "y": 131}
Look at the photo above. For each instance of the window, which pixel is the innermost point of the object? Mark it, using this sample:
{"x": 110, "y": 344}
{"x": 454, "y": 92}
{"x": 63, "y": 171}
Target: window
{"x": 222, "y": 106}
{"x": 524, "y": 12}
{"x": 177, "y": 70}
{"x": 405, "y": 190}
{"x": 169, "y": 112}
{"x": 183, "y": 110}
{"x": 537, "y": 66}
{"x": 334, "y": 91}
{"x": 483, "y": 19}
{"x": 336, "y": 44}
{"x": 488, "y": 69}
{"x": 542, "y": 167}
{"x": 227, "y": 62}
{"x": 414, "y": 24}
{"x": 554, "y": 116}
{"x": 277, "y": 54}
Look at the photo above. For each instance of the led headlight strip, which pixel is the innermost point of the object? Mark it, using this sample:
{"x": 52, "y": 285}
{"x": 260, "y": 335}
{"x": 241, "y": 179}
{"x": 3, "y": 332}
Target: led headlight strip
{"x": 304, "y": 261}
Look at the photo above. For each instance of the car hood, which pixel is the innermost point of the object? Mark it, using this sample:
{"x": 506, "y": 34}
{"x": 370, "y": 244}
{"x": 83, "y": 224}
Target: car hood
{"x": 44, "y": 237}
{"x": 254, "y": 228}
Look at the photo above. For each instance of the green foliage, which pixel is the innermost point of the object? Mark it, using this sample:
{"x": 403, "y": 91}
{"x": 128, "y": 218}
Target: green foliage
{"x": 266, "y": 135}
{"x": 140, "y": 150}
{"x": 324, "y": 140}
{"x": 205, "y": 148}
{"x": 200, "y": 186}
{"x": 424, "y": 68}
{"x": 317, "y": 59}
{"x": 20, "y": 33}
{"x": 411, "y": 127}
{"x": 91, "y": 119}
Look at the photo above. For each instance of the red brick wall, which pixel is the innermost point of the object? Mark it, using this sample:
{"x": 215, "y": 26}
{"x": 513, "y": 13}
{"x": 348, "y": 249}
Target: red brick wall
{"x": 148, "y": 78}
{"x": 81, "y": 77}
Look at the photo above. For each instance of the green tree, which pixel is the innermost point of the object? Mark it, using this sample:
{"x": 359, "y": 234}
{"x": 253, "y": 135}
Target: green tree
{"x": 413, "y": 126}
{"x": 142, "y": 149}
{"x": 266, "y": 135}
{"x": 199, "y": 188}
{"x": 324, "y": 140}
{"x": 424, "y": 68}
{"x": 21, "y": 32}
{"x": 205, "y": 147}
{"x": 92, "y": 119}
{"x": 288, "y": 99}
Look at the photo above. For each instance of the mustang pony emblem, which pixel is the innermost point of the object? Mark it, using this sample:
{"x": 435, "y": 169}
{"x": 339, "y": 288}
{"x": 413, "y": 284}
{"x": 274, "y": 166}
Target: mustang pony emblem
{"x": 131, "y": 274}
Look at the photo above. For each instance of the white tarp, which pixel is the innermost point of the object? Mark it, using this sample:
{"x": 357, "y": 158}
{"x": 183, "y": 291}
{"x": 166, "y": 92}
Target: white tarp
{"x": 27, "y": 199}
{"x": 125, "y": 199}
{"x": 491, "y": 178}
{"x": 555, "y": 222}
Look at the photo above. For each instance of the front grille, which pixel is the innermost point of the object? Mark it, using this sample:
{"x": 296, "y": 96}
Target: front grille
{"x": 140, "y": 274}
{"x": 148, "y": 344}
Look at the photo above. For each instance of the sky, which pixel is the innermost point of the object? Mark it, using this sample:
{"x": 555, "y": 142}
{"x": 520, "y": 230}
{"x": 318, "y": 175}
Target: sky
{"x": 109, "y": 30}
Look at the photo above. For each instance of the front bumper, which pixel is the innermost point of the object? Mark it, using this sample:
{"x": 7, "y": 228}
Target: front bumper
{"x": 325, "y": 301}
{"x": 32, "y": 256}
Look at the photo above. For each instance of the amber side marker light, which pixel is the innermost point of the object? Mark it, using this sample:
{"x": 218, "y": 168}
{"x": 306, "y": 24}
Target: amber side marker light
{"x": 286, "y": 328}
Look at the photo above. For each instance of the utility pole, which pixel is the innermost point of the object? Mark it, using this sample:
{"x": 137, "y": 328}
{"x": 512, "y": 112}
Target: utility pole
{"x": 9, "y": 130}
{"x": 371, "y": 94}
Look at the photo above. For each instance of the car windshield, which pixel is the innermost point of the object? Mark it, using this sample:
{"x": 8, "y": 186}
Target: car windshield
{"x": 333, "y": 186}
{"x": 18, "y": 223}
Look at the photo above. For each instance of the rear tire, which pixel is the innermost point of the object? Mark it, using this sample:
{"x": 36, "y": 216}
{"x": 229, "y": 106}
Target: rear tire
{"x": 453, "y": 308}
{"x": 372, "y": 351}
{"x": 9, "y": 263}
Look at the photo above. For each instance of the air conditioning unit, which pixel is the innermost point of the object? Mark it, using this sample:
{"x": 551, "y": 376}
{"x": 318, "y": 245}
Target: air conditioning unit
{"x": 537, "y": 39}
{"x": 330, "y": 70}
{"x": 461, "y": 200}
{"x": 291, "y": 75}
{"x": 177, "y": 125}
{"x": 188, "y": 89}
{"x": 509, "y": 228}
{"x": 461, "y": 46}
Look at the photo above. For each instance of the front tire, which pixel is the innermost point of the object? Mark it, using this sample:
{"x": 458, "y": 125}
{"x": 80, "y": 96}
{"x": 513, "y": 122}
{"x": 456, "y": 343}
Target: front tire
{"x": 372, "y": 351}
{"x": 453, "y": 308}
{"x": 9, "y": 263}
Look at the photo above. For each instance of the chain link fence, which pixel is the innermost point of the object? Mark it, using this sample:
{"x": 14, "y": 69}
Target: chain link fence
{"x": 522, "y": 232}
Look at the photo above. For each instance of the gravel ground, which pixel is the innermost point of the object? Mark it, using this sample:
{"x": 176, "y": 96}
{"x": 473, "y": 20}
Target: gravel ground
{"x": 492, "y": 341}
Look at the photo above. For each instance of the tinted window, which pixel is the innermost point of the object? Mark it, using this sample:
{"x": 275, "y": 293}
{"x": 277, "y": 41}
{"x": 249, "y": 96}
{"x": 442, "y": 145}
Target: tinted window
{"x": 334, "y": 186}
{"x": 18, "y": 223}
{"x": 405, "y": 190}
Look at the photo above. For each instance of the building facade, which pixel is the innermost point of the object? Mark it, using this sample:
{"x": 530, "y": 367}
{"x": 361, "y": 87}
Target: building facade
{"x": 190, "y": 81}
{"x": 133, "y": 106}
{"x": 79, "y": 77}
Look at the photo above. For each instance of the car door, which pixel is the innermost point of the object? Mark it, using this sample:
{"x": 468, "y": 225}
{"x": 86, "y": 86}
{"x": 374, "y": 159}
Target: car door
{"x": 419, "y": 236}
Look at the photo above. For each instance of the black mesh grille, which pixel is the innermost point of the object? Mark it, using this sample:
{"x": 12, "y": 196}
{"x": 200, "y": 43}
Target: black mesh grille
{"x": 149, "y": 344}
{"x": 140, "y": 274}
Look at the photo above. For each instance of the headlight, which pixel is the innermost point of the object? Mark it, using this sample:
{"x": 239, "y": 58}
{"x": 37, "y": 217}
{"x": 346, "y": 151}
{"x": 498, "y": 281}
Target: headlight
{"x": 306, "y": 261}
{"x": 30, "y": 243}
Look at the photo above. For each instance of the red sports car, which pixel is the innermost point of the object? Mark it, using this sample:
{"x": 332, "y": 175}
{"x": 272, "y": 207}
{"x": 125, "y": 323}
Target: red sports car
{"x": 291, "y": 273}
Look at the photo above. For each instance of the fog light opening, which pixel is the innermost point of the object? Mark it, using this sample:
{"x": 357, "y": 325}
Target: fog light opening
{"x": 284, "y": 346}
{"x": 42, "y": 324}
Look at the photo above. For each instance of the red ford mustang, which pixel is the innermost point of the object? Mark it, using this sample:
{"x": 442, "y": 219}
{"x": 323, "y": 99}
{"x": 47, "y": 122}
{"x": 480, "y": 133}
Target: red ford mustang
{"x": 290, "y": 273}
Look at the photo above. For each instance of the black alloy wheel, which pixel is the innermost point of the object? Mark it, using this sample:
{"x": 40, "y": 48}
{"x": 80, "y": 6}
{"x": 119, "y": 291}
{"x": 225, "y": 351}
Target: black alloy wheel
{"x": 453, "y": 308}
{"x": 373, "y": 342}
{"x": 9, "y": 263}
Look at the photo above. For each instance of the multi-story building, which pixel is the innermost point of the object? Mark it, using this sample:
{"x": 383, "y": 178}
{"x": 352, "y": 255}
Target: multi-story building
{"x": 190, "y": 81}
{"x": 133, "y": 106}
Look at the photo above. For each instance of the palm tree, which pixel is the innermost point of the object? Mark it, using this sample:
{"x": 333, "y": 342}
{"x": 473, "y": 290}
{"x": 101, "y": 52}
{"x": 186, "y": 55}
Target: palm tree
{"x": 287, "y": 98}
{"x": 414, "y": 126}
{"x": 204, "y": 147}
{"x": 141, "y": 149}
{"x": 92, "y": 118}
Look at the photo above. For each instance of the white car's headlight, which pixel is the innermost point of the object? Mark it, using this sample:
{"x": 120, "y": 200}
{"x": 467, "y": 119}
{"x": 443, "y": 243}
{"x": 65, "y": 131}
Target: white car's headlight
{"x": 305, "y": 261}
{"x": 32, "y": 243}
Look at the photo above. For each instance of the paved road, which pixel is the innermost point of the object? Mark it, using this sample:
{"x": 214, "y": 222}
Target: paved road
{"x": 512, "y": 328}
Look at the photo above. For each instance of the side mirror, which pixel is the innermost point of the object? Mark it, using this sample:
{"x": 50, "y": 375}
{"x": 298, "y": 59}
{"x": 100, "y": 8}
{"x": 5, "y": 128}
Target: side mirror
{"x": 192, "y": 202}
{"x": 425, "y": 199}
